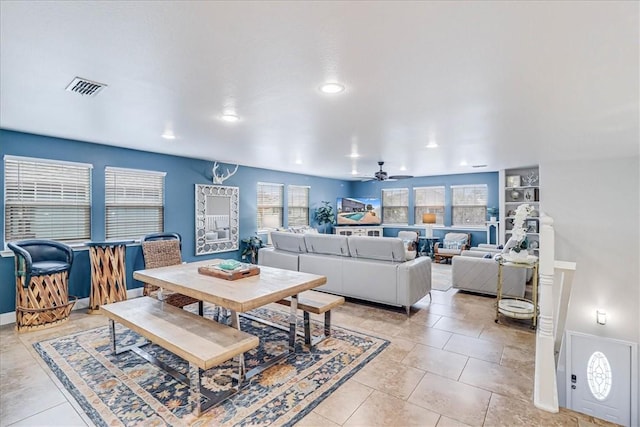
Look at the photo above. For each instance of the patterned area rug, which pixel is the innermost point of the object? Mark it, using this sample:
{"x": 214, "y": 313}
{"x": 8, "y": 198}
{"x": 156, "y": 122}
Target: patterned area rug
{"x": 128, "y": 390}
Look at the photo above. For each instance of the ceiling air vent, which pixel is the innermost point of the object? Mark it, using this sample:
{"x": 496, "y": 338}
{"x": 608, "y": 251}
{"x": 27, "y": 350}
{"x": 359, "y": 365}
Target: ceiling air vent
{"x": 85, "y": 87}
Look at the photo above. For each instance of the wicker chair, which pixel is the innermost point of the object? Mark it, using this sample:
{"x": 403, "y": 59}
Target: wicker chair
{"x": 42, "y": 283}
{"x": 162, "y": 250}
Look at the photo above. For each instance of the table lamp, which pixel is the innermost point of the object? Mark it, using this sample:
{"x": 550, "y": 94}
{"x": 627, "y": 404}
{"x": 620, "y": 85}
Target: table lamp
{"x": 429, "y": 219}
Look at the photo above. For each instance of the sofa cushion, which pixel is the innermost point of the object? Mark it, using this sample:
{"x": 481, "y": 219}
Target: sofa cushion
{"x": 289, "y": 242}
{"x": 378, "y": 248}
{"x": 327, "y": 244}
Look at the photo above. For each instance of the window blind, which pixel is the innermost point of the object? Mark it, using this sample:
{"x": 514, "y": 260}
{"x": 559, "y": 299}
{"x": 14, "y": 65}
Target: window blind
{"x": 134, "y": 201}
{"x": 429, "y": 200}
{"x": 47, "y": 199}
{"x": 298, "y": 205}
{"x": 270, "y": 205}
{"x": 469, "y": 204}
{"x": 395, "y": 206}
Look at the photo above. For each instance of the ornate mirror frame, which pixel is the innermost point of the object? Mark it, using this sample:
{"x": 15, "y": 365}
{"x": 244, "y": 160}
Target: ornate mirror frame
{"x": 217, "y": 219}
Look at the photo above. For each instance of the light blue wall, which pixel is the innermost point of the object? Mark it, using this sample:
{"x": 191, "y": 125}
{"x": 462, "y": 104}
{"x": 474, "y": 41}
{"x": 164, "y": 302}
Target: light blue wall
{"x": 182, "y": 175}
{"x": 374, "y": 189}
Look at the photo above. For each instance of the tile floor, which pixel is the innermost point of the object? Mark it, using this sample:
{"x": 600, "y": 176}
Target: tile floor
{"x": 448, "y": 364}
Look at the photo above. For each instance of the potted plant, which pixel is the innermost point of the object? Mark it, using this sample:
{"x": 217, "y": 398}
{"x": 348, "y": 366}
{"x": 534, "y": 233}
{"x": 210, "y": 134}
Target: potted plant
{"x": 250, "y": 247}
{"x": 324, "y": 215}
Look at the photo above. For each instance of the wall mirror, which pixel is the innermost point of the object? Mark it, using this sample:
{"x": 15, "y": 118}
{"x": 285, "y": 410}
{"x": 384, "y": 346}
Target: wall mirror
{"x": 216, "y": 219}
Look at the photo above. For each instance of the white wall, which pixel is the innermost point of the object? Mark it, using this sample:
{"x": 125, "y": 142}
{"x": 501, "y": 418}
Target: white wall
{"x": 595, "y": 205}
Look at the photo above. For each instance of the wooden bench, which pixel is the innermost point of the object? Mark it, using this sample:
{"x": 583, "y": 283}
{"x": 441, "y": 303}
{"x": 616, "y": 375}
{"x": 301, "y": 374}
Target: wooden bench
{"x": 200, "y": 341}
{"x": 317, "y": 303}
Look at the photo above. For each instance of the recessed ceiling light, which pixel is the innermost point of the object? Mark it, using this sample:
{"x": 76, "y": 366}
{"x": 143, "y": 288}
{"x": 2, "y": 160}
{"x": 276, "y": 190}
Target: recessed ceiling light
{"x": 354, "y": 155}
{"x": 230, "y": 117}
{"x": 463, "y": 163}
{"x": 432, "y": 145}
{"x": 403, "y": 168}
{"x": 332, "y": 88}
{"x": 354, "y": 172}
{"x": 168, "y": 135}
{"x": 298, "y": 162}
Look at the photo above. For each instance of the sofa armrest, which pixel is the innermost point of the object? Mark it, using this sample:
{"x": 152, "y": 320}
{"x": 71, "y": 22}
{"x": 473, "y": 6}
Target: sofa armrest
{"x": 414, "y": 280}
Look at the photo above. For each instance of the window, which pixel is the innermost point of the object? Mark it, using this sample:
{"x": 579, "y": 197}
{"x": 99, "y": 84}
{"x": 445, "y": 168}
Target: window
{"x": 134, "y": 201}
{"x": 395, "y": 206}
{"x": 270, "y": 206}
{"x": 298, "y": 205}
{"x": 46, "y": 200}
{"x": 469, "y": 204}
{"x": 429, "y": 200}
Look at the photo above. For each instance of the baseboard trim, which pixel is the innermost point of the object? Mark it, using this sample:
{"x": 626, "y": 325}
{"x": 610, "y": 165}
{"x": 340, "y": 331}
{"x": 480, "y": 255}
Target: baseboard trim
{"x": 81, "y": 304}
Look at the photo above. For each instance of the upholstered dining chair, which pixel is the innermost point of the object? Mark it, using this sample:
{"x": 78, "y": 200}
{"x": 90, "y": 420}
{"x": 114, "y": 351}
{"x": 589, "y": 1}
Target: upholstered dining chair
{"x": 162, "y": 250}
{"x": 42, "y": 283}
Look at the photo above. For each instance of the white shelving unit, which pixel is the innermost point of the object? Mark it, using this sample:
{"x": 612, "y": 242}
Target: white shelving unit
{"x": 519, "y": 186}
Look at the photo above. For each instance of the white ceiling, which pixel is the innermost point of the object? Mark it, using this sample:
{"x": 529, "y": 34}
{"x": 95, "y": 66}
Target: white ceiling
{"x": 498, "y": 83}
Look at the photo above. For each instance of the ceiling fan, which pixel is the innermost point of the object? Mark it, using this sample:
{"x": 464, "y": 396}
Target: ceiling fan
{"x": 384, "y": 176}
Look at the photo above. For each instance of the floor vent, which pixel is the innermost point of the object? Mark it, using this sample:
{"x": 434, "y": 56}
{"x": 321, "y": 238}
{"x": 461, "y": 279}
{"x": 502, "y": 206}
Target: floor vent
{"x": 85, "y": 87}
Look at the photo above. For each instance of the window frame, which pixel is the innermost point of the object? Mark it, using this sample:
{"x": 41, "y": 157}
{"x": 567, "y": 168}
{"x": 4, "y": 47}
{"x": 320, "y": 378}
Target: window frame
{"x": 303, "y": 207}
{"x": 60, "y": 192}
{"x": 418, "y": 210}
{"x": 397, "y": 208}
{"x": 126, "y": 205}
{"x": 259, "y": 206}
{"x": 469, "y": 207}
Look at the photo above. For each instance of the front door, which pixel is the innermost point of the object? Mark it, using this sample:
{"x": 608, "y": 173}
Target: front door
{"x": 599, "y": 381}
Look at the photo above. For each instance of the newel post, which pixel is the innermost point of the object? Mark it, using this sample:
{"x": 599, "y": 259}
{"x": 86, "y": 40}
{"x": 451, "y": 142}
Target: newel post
{"x": 545, "y": 393}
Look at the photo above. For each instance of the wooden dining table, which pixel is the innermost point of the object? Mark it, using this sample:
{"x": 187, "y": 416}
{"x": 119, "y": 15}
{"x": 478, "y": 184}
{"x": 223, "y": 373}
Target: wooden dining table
{"x": 241, "y": 295}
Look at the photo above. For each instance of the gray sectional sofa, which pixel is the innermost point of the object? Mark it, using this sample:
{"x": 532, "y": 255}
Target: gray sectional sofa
{"x": 471, "y": 271}
{"x": 369, "y": 268}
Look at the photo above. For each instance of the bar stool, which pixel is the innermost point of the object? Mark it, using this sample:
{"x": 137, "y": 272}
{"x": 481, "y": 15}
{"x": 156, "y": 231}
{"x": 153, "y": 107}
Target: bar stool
{"x": 108, "y": 273}
{"x": 42, "y": 283}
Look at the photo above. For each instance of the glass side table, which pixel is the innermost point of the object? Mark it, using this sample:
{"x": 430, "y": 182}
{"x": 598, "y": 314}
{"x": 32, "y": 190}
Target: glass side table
{"x": 426, "y": 248}
{"x": 518, "y": 308}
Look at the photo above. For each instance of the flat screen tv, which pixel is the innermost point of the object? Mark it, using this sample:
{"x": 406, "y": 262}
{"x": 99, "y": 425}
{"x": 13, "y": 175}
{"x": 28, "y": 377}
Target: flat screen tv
{"x": 358, "y": 211}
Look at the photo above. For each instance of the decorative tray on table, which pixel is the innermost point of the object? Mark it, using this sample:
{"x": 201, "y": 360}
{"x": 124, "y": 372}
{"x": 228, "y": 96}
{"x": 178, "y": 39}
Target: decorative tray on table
{"x": 230, "y": 270}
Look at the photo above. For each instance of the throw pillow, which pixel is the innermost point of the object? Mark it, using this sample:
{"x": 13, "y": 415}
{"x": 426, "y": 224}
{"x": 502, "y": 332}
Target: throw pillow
{"x": 451, "y": 245}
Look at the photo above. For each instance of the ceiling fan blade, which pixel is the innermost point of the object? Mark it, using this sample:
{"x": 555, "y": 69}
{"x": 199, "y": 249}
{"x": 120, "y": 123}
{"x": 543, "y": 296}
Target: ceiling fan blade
{"x": 400, "y": 176}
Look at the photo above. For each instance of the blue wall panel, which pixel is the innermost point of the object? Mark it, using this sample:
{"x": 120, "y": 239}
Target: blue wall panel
{"x": 374, "y": 189}
{"x": 182, "y": 175}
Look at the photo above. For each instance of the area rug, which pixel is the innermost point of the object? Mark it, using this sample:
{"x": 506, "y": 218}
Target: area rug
{"x": 440, "y": 277}
{"x": 127, "y": 390}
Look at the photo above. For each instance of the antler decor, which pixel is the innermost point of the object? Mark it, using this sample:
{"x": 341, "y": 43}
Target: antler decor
{"x": 219, "y": 179}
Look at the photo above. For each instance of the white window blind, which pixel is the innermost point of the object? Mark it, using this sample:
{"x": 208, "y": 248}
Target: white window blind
{"x": 47, "y": 200}
{"x": 298, "y": 205}
{"x": 429, "y": 200}
{"x": 469, "y": 204}
{"x": 395, "y": 206}
{"x": 270, "y": 205}
{"x": 134, "y": 201}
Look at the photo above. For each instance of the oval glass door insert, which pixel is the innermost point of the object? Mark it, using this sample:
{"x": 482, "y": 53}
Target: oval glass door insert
{"x": 599, "y": 375}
